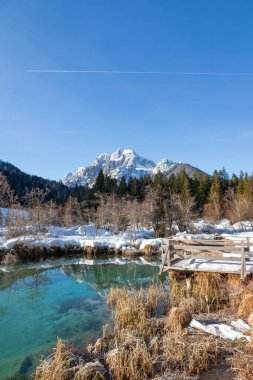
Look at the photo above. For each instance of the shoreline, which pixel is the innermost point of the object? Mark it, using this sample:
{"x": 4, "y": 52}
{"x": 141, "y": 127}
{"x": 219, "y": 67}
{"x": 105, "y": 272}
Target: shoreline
{"x": 22, "y": 253}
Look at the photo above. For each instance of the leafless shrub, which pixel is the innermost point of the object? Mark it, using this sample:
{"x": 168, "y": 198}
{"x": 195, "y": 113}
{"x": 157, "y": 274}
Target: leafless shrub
{"x": 238, "y": 207}
{"x": 7, "y": 196}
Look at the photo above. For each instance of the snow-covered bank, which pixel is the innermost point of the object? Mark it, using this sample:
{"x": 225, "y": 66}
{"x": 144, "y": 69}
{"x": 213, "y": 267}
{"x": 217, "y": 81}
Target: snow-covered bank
{"x": 223, "y": 226}
{"x": 79, "y": 236}
{"x": 131, "y": 242}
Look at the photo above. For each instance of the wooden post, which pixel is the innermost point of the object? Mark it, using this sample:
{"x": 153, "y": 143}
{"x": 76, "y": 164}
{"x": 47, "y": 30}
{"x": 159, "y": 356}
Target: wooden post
{"x": 168, "y": 254}
{"x": 165, "y": 257}
{"x": 243, "y": 263}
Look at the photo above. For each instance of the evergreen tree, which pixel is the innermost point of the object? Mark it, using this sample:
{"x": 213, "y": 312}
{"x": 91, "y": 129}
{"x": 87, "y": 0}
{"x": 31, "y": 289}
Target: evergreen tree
{"x": 158, "y": 180}
{"x": 240, "y": 187}
{"x": 100, "y": 182}
{"x": 224, "y": 180}
{"x": 184, "y": 185}
{"x": 122, "y": 188}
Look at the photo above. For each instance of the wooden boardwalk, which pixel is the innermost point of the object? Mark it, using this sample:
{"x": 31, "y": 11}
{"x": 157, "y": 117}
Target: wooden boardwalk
{"x": 219, "y": 255}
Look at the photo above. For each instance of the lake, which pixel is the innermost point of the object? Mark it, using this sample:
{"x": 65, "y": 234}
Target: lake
{"x": 60, "y": 298}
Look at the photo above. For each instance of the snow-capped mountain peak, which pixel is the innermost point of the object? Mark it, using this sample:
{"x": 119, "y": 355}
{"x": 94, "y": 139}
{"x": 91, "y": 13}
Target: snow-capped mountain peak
{"x": 163, "y": 166}
{"x": 122, "y": 162}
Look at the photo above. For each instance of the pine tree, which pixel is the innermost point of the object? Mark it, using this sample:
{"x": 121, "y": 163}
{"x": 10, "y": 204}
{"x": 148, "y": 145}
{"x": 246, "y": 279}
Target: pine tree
{"x": 213, "y": 207}
{"x": 184, "y": 185}
{"x": 100, "y": 182}
{"x": 158, "y": 180}
{"x": 122, "y": 188}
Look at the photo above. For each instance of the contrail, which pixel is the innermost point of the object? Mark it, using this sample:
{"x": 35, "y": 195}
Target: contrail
{"x": 117, "y": 72}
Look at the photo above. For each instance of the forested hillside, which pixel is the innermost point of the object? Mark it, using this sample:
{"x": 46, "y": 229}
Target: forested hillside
{"x": 23, "y": 183}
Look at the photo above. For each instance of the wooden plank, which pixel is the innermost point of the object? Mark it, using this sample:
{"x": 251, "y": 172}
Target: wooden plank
{"x": 216, "y": 258}
{"x": 213, "y": 242}
{"x": 175, "y": 268}
{"x": 208, "y": 242}
{"x": 205, "y": 248}
{"x": 246, "y": 241}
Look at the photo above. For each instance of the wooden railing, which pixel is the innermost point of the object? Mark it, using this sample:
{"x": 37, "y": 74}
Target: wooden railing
{"x": 172, "y": 252}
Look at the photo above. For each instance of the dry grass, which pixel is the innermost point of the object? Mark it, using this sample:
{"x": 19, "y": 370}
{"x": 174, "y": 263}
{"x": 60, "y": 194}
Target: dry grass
{"x": 246, "y": 306}
{"x": 190, "y": 304}
{"x": 211, "y": 291}
{"x": 149, "y": 250}
{"x": 130, "y": 361}
{"x": 66, "y": 364}
{"x": 234, "y": 280}
{"x": 250, "y": 320}
{"x": 58, "y": 366}
{"x": 141, "y": 351}
{"x": 238, "y": 289}
{"x": 242, "y": 363}
{"x": 176, "y": 276}
{"x": 208, "y": 292}
{"x": 178, "y": 319}
{"x": 189, "y": 354}
{"x": 10, "y": 259}
{"x": 91, "y": 371}
{"x": 133, "y": 308}
{"x": 178, "y": 290}
{"x": 209, "y": 285}
{"x": 25, "y": 253}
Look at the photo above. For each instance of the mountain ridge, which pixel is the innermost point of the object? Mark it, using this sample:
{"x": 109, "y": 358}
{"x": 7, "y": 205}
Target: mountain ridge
{"x": 127, "y": 163}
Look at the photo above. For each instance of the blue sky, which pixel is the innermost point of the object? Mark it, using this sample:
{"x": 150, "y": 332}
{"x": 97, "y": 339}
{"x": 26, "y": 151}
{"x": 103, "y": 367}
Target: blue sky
{"x": 52, "y": 123}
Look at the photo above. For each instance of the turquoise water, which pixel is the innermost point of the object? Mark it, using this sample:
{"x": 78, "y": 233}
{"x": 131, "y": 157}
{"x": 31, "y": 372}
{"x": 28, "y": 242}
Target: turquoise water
{"x": 39, "y": 303}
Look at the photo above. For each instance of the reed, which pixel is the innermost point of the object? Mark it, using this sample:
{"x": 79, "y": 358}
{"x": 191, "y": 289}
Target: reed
{"x": 211, "y": 290}
{"x": 59, "y": 365}
{"x": 131, "y": 361}
{"x": 189, "y": 355}
{"x": 246, "y": 306}
{"x": 242, "y": 365}
{"x": 67, "y": 363}
{"x": 132, "y": 309}
{"x": 250, "y": 319}
{"x": 178, "y": 289}
{"x": 191, "y": 304}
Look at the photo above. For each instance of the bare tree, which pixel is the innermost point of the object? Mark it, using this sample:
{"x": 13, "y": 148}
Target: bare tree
{"x": 72, "y": 212}
{"x": 213, "y": 209}
{"x": 7, "y": 196}
{"x": 238, "y": 207}
{"x": 35, "y": 202}
{"x": 182, "y": 210}
{"x": 112, "y": 212}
